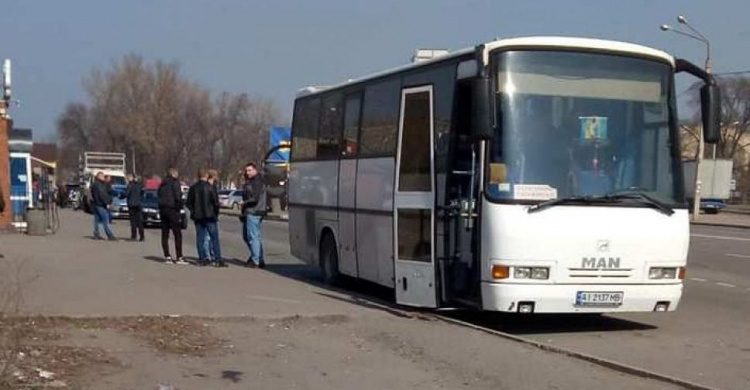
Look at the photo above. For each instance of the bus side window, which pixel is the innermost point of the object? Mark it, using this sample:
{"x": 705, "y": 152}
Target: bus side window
{"x": 330, "y": 128}
{"x": 305, "y": 129}
{"x": 352, "y": 111}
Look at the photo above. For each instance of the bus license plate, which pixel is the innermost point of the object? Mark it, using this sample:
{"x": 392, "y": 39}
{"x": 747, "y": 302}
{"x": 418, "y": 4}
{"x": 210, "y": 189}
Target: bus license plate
{"x": 599, "y": 298}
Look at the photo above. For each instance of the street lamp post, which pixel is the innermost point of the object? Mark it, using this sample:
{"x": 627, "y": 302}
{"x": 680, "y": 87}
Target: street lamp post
{"x": 697, "y": 35}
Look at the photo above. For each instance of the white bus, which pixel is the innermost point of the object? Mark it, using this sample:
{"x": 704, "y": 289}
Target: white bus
{"x": 530, "y": 175}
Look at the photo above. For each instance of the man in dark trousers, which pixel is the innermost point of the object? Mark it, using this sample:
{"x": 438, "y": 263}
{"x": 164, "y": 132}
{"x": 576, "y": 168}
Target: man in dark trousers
{"x": 170, "y": 205}
{"x": 101, "y": 199}
{"x": 253, "y": 211}
{"x": 134, "y": 195}
{"x": 203, "y": 202}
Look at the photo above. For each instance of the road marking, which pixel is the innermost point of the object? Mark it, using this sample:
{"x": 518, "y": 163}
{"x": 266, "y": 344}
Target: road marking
{"x": 736, "y": 255}
{"x": 725, "y": 284}
{"x": 698, "y": 279}
{"x": 720, "y": 237}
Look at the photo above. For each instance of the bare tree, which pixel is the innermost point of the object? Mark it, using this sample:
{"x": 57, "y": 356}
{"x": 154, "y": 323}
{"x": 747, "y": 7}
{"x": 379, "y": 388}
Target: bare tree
{"x": 165, "y": 119}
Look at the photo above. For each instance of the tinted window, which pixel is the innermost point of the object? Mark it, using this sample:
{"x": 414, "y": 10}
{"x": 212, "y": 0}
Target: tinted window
{"x": 353, "y": 109}
{"x": 305, "y": 129}
{"x": 380, "y": 119}
{"x": 415, "y": 235}
{"x": 415, "y": 168}
{"x": 330, "y": 128}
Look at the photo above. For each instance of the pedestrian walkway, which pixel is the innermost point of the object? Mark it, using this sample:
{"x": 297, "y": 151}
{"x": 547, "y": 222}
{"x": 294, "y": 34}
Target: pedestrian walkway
{"x": 71, "y": 274}
{"x": 739, "y": 220}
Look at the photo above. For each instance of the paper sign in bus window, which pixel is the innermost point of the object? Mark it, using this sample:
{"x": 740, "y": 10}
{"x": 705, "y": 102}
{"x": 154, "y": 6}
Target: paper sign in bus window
{"x": 593, "y": 127}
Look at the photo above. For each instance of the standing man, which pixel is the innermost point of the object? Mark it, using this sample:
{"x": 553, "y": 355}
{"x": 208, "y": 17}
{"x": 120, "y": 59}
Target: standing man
{"x": 203, "y": 202}
{"x": 134, "y": 195}
{"x": 253, "y": 211}
{"x": 213, "y": 179}
{"x": 111, "y": 192}
{"x": 170, "y": 205}
{"x": 101, "y": 199}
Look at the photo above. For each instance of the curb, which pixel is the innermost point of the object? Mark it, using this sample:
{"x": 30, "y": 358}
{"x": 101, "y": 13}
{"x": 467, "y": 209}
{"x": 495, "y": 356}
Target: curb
{"x": 726, "y": 225}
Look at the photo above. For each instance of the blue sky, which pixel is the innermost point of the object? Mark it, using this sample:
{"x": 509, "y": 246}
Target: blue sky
{"x": 272, "y": 48}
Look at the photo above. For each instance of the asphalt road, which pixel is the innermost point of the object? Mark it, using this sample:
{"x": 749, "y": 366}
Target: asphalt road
{"x": 706, "y": 341}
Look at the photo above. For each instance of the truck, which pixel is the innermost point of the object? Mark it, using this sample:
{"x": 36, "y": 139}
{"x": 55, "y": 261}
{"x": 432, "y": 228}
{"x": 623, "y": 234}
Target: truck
{"x": 716, "y": 183}
{"x": 111, "y": 164}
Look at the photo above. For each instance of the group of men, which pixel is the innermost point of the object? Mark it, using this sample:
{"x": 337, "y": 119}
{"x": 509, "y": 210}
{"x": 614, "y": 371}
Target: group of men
{"x": 203, "y": 203}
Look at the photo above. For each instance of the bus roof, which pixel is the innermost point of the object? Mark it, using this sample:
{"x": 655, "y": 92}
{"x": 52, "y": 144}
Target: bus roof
{"x": 550, "y": 42}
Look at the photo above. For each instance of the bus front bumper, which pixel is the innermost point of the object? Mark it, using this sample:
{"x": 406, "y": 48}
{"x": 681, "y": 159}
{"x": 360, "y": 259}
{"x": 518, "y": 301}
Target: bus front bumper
{"x": 562, "y": 298}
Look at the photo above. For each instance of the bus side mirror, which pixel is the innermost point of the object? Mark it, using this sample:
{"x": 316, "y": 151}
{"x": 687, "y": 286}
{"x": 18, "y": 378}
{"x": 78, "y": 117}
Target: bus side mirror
{"x": 481, "y": 112}
{"x": 711, "y": 112}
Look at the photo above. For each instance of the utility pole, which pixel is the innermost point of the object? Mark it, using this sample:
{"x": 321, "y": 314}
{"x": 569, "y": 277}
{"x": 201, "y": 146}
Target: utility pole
{"x": 132, "y": 156}
{"x": 697, "y": 35}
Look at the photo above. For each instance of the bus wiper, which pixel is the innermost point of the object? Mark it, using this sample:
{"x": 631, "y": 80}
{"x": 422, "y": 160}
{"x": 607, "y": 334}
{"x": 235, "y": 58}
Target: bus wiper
{"x": 641, "y": 197}
{"x": 571, "y": 199}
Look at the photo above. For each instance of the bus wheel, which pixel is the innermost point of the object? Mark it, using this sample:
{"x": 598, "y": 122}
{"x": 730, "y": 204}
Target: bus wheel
{"x": 329, "y": 260}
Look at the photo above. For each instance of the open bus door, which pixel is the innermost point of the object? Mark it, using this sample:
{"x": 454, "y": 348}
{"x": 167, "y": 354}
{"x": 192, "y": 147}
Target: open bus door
{"x": 460, "y": 269}
{"x": 414, "y": 201}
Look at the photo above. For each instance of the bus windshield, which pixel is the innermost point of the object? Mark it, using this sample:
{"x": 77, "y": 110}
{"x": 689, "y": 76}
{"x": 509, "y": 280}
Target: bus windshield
{"x": 574, "y": 124}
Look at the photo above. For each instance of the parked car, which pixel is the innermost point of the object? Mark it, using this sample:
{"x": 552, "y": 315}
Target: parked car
{"x": 119, "y": 207}
{"x": 151, "y": 210}
{"x": 233, "y": 200}
{"x": 223, "y": 197}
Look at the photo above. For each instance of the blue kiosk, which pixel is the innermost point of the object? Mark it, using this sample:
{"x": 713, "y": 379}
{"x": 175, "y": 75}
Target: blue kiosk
{"x": 21, "y": 186}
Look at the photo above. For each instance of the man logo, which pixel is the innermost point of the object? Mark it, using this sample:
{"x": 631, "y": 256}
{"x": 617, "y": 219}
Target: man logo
{"x": 602, "y": 246}
{"x": 601, "y": 262}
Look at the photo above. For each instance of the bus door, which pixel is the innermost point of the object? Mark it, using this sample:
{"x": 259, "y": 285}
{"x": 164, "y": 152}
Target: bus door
{"x": 414, "y": 201}
{"x": 460, "y": 268}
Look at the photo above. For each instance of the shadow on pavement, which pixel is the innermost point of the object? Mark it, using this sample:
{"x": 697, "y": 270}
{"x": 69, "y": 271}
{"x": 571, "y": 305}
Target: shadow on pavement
{"x": 520, "y": 324}
{"x": 371, "y": 295}
{"x": 156, "y": 259}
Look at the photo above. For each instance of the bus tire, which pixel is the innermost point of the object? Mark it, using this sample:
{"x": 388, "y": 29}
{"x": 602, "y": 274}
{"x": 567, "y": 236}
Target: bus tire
{"x": 329, "y": 260}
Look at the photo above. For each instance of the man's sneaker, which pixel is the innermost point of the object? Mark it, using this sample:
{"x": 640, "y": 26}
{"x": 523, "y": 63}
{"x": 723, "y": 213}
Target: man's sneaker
{"x": 219, "y": 264}
{"x": 181, "y": 261}
{"x": 250, "y": 264}
{"x": 113, "y": 238}
{"x": 202, "y": 263}
{"x": 262, "y": 265}
{"x": 168, "y": 260}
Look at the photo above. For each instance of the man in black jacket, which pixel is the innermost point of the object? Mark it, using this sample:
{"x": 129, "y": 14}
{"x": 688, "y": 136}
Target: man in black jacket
{"x": 134, "y": 195}
{"x": 253, "y": 211}
{"x": 101, "y": 199}
{"x": 203, "y": 202}
{"x": 170, "y": 205}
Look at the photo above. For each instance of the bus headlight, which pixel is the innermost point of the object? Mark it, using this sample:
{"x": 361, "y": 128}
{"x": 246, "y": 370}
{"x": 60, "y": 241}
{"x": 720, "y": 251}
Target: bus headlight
{"x": 541, "y": 273}
{"x": 662, "y": 273}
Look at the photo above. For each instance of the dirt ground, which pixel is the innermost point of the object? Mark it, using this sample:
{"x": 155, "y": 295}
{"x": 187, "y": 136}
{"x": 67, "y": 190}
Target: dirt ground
{"x": 316, "y": 352}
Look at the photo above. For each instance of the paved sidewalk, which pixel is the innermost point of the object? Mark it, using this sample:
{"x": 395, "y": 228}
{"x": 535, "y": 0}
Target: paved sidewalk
{"x": 76, "y": 275}
{"x": 299, "y": 336}
{"x": 737, "y": 220}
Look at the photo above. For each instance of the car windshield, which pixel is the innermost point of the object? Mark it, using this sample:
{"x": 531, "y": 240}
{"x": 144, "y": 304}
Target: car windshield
{"x": 582, "y": 124}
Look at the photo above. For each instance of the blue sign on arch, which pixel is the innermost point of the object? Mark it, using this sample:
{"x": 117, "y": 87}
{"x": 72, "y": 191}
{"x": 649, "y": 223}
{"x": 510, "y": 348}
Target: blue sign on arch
{"x": 280, "y": 136}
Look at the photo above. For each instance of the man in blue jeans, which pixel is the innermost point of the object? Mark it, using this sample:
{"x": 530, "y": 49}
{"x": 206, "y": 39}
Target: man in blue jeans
{"x": 203, "y": 203}
{"x": 101, "y": 198}
{"x": 253, "y": 211}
